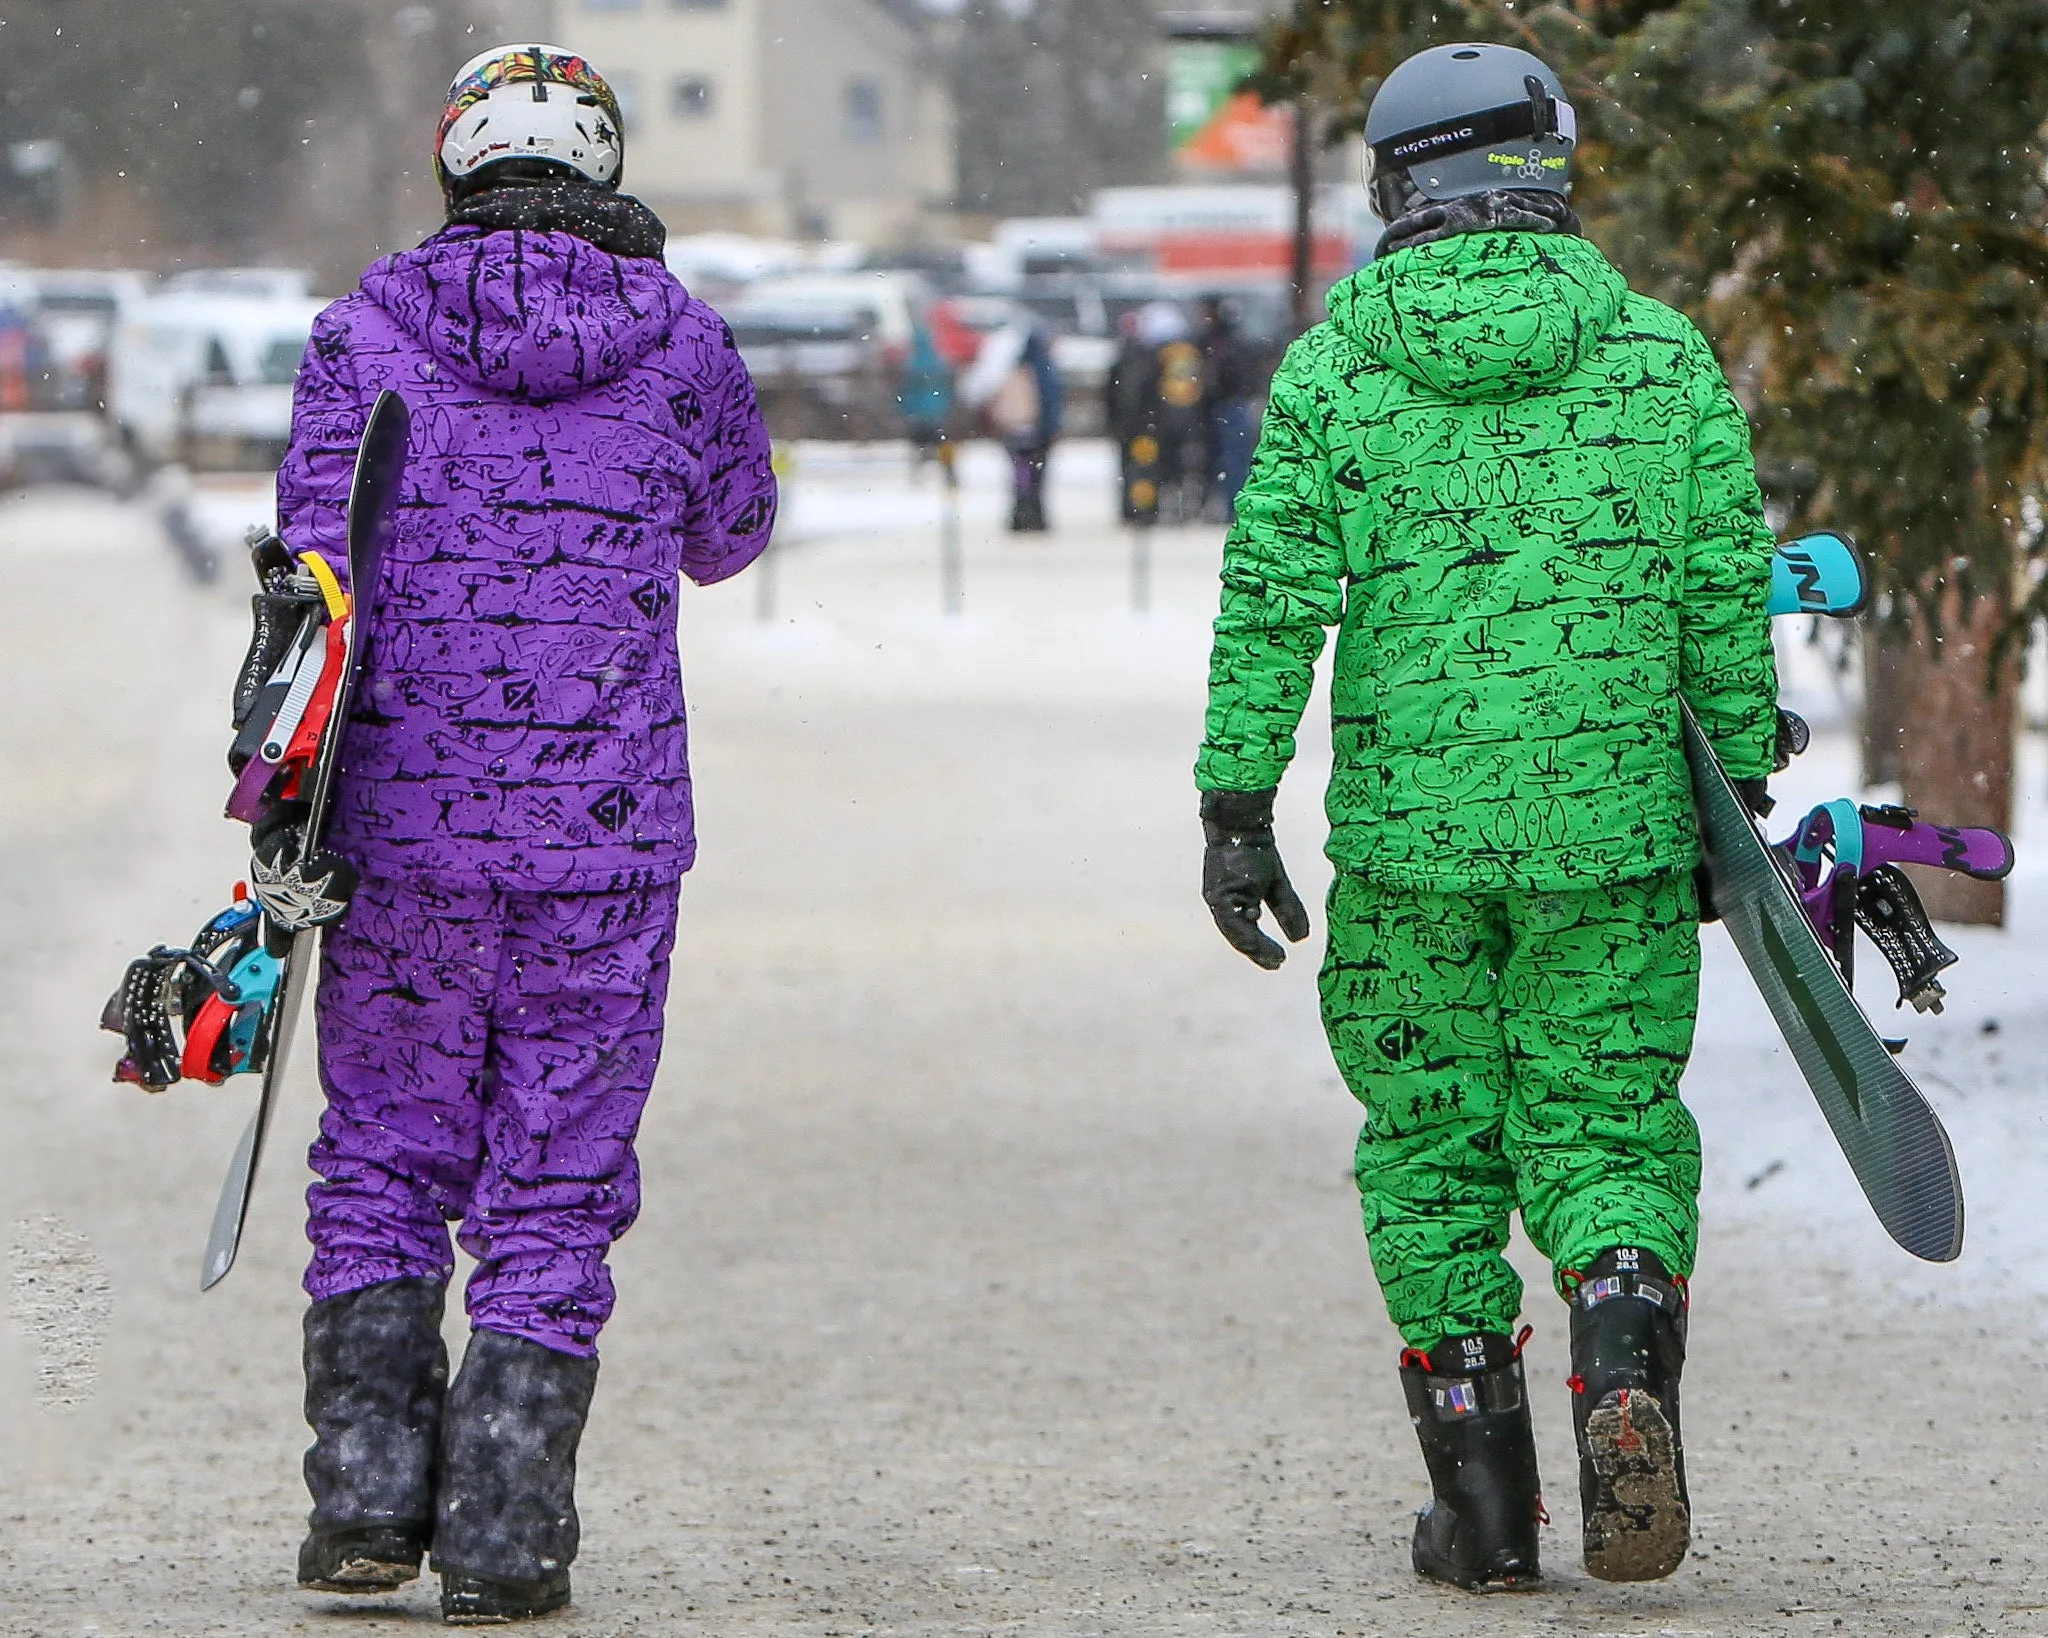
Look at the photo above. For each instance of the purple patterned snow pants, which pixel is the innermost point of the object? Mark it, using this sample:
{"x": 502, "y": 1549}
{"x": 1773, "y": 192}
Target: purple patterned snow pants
{"x": 486, "y": 1055}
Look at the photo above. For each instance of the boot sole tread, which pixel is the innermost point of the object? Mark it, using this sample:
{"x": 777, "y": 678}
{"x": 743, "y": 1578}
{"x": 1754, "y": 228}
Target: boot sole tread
{"x": 1642, "y": 1528}
{"x": 365, "y": 1575}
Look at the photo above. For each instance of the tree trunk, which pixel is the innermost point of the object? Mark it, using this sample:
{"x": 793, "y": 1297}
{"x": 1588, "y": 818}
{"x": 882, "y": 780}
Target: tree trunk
{"x": 1885, "y": 646}
{"x": 1956, "y": 743}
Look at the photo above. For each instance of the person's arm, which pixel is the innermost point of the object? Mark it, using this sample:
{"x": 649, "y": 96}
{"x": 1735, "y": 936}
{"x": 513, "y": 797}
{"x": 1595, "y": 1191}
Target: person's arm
{"x": 731, "y": 522}
{"x": 329, "y": 411}
{"x": 1727, "y": 672}
{"x": 1283, "y": 588}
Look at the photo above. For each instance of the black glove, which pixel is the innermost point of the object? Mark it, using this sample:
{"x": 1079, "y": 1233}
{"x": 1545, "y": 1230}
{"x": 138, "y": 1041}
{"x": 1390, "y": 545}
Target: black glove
{"x": 1793, "y": 738}
{"x": 1242, "y": 874}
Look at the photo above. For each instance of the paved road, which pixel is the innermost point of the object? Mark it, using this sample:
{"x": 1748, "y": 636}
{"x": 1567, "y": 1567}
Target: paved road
{"x": 1000, "y": 1270}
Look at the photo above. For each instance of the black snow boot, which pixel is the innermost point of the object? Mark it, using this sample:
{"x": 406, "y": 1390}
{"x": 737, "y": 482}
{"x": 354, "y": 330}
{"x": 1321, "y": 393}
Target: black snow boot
{"x": 1471, "y": 1411}
{"x": 376, "y": 1370}
{"x": 1628, "y": 1347}
{"x": 506, "y": 1527}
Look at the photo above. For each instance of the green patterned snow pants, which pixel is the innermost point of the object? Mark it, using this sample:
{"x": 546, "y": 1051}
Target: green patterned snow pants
{"x": 1514, "y": 1049}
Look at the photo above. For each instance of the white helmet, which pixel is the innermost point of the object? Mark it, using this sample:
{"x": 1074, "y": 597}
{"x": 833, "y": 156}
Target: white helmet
{"x": 530, "y": 102}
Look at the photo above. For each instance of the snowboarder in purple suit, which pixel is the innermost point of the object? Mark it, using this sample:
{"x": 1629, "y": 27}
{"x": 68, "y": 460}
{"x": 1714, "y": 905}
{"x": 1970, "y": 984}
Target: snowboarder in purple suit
{"x": 515, "y": 793}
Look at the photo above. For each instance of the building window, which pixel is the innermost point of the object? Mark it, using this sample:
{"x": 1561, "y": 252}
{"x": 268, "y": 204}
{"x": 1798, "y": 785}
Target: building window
{"x": 690, "y": 96}
{"x": 863, "y": 113}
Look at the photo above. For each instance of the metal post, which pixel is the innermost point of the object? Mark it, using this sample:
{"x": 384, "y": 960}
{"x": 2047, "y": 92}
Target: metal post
{"x": 1141, "y": 570}
{"x": 764, "y": 581}
{"x": 952, "y": 571}
{"x": 1303, "y": 174}
{"x": 764, "y": 566}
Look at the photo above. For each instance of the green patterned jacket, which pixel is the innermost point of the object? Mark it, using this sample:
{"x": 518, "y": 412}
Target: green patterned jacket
{"x": 1525, "y": 496}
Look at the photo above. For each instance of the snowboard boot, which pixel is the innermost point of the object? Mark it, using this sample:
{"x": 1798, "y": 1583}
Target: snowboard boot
{"x": 1470, "y": 1409}
{"x": 506, "y": 1528}
{"x": 376, "y": 1369}
{"x": 1628, "y": 1347}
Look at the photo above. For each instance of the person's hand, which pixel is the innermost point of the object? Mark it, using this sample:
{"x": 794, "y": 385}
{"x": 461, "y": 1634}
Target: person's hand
{"x": 1242, "y": 875}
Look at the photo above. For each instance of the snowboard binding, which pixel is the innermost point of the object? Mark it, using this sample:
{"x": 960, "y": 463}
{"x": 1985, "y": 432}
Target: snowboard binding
{"x": 198, "y": 1013}
{"x": 1844, "y": 860}
{"x": 1842, "y": 863}
{"x": 285, "y": 689}
{"x": 203, "y": 1012}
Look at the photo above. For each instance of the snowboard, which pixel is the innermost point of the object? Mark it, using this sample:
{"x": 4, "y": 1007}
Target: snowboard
{"x": 372, "y": 506}
{"x": 1893, "y": 1140}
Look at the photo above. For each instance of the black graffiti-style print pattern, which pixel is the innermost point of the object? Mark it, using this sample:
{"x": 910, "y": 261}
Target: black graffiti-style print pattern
{"x": 486, "y": 1057}
{"x": 583, "y": 432}
{"x": 1525, "y": 497}
{"x": 1514, "y": 1050}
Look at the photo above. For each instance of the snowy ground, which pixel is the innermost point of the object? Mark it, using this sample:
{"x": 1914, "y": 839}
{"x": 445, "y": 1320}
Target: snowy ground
{"x": 1000, "y": 1271}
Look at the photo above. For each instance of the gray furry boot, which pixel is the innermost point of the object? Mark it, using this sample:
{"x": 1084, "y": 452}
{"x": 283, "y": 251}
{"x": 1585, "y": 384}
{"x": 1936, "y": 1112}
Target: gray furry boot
{"x": 376, "y": 1369}
{"x": 506, "y": 1529}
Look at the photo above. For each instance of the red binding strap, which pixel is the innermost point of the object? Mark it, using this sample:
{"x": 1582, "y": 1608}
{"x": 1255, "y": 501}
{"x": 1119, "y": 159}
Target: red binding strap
{"x": 200, "y": 1040}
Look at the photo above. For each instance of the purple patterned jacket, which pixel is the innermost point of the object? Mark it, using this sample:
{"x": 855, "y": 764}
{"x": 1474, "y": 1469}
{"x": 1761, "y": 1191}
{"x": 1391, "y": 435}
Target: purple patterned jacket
{"x": 582, "y": 431}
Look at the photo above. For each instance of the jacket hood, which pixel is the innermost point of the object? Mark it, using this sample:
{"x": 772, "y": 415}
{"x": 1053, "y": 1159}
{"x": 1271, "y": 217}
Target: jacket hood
{"x": 535, "y": 316}
{"x": 1483, "y": 317}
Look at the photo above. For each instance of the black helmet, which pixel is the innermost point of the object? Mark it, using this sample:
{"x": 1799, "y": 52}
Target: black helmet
{"x": 1460, "y": 119}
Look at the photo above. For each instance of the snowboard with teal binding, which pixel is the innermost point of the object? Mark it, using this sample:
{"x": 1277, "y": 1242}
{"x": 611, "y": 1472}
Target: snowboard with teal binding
{"x": 1792, "y": 911}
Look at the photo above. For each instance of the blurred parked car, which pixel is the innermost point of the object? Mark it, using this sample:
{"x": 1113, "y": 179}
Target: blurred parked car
{"x": 827, "y": 350}
{"x": 820, "y": 370}
{"x": 41, "y": 440}
{"x": 258, "y": 283}
{"x": 80, "y": 309}
{"x": 207, "y": 379}
{"x": 892, "y": 302}
{"x": 61, "y": 446}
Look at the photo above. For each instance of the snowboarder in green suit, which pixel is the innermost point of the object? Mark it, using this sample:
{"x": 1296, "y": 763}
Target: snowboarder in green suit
{"x": 1523, "y": 494}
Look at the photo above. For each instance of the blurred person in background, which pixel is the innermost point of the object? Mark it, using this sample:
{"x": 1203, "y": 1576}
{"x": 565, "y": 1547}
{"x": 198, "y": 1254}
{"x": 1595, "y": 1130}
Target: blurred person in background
{"x": 1232, "y": 397}
{"x": 1183, "y": 435}
{"x": 1131, "y": 403}
{"x": 1155, "y": 411}
{"x": 515, "y": 796}
{"x": 925, "y": 394}
{"x": 1014, "y": 387}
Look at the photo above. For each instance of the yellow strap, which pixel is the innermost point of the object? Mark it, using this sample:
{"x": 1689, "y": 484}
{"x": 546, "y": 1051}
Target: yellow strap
{"x": 330, "y": 588}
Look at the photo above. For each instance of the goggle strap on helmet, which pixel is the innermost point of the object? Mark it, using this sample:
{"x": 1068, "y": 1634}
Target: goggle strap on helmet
{"x": 1542, "y": 115}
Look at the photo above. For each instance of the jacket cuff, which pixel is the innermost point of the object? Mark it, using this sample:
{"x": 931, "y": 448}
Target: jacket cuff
{"x": 1239, "y": 812}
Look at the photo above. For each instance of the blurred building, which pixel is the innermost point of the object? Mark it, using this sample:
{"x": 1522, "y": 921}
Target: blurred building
{"x": 812, "y": 118}
{"x": 1063, "y": 97}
